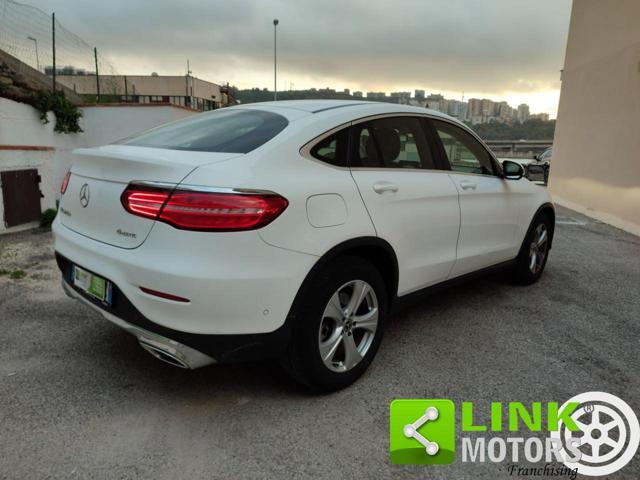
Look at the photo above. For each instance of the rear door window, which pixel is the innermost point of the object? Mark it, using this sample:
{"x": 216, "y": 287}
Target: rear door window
{"x": 397, "y": 142}
{"x": 232, "y": 131}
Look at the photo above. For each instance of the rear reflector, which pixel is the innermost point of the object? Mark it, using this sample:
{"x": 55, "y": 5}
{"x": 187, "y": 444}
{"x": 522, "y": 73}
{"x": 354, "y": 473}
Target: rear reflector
{"x": 167, "y": 296}
{"x": 204, "y": 211}
{"x": 65, "y": 182}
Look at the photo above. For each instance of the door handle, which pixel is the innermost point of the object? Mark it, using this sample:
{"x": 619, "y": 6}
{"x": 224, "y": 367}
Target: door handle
{"x": 382, "y": 187}
{"x": 467, "y": 185}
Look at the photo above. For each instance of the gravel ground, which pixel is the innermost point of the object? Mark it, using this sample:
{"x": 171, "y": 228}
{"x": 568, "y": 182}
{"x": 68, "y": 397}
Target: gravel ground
{"x": 80, "y": 399}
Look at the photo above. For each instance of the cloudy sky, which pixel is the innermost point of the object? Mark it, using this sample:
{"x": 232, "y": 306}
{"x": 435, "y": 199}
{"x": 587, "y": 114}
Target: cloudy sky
{"x": 501, "y": 49}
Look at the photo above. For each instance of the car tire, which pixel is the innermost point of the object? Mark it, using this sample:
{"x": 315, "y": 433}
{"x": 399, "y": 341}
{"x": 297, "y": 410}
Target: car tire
{"x": 321, "y": 355}
{"x": 534, "y": 251}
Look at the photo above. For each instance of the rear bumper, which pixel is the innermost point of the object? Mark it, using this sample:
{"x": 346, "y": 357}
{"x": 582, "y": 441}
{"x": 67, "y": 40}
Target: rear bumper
{"x": 240, "y": 290}
{"x": 159, "y": 346}
{"x": 192, "y": 350}
{"x": 234, "y": 282}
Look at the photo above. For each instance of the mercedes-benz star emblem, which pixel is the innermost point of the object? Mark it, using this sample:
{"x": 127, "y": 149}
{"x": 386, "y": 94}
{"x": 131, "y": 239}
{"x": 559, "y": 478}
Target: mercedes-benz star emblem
{"x": 84, "y": 195}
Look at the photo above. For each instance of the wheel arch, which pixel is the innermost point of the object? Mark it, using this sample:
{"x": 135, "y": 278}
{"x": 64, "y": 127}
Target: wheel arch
{"x": 373, "y": 249}
{"x": 548, "y": 209}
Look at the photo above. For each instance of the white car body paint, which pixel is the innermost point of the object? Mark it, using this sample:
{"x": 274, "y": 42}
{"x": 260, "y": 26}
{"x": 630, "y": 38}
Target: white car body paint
{"x": 245, "y": 282}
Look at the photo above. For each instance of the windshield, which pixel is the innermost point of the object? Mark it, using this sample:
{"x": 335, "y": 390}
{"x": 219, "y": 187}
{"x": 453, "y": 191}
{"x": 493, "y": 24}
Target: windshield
{"x": 232, "y": 131}
{"x": 546, "y": 155}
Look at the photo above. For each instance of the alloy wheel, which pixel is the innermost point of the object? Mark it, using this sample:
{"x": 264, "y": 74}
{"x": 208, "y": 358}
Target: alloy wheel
{"x": 538, "y": 248}
{"x": 348, "y": 325}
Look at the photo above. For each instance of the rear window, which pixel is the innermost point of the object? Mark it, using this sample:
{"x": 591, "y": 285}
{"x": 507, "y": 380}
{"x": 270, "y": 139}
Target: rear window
{"x": 232, "y": 131}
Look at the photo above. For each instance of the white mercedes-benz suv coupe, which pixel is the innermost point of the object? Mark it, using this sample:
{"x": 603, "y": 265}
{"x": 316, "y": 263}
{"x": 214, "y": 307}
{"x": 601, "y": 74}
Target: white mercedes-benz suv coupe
{"x": 289, "y": 230}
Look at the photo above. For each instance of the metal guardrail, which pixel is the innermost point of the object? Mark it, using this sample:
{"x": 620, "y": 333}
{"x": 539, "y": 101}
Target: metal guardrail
{"x": 518, "y": 148}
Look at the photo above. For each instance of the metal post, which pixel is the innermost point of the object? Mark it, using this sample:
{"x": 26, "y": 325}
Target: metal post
{"x": 53, "y": 43}
{"x": 126, "y": 90}
{"x": 275, "y": 60}
{"x": 95, "y": 54}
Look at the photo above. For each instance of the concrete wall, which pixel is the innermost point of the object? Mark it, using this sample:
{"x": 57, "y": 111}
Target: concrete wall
{"x": 596, "y": 158}
{"x": 142, "y": 85}
{"x": 20, "y": 126}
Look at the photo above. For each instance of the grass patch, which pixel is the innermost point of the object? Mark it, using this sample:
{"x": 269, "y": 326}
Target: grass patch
{"x": 4, "y": 272}
{"x": 17, "y": 274}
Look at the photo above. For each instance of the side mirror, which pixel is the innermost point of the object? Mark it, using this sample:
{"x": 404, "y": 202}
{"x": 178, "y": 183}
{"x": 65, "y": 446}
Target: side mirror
{"x": 536, "y": 157}
{"x": 512, "y": 170}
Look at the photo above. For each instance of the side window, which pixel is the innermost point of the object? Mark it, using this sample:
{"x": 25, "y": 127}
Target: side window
{"x": 333, "y": 149}
{"x": 464, "y": 152}
{"x": 397, "y": 142}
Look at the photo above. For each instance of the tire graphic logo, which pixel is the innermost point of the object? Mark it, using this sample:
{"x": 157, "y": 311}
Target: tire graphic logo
{"x": 609, "y": 433}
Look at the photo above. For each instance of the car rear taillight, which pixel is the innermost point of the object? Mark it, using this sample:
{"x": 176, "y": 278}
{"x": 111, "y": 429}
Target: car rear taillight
{"x": 204, "y": 211}
{"x": 144, "y": 201}
{"x": 65, "y": 182}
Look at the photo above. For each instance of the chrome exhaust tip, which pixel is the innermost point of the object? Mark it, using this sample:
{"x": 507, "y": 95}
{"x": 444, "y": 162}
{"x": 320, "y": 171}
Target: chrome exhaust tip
{"x": 163, "y": 348}
{"x": 164, "y": 355}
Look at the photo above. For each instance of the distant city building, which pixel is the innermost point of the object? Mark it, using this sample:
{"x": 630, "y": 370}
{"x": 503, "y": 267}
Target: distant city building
{"x": 504, "y": 113}
{"x": 477, "y": 110}
{"x": 523, "y": 112}
{"x": 434, "y": 101}
{"x": 485, "y": 110}
{"x": 460, "y": 110}
{"x": 186, "y": 91}
{"x": 401, "y": 97}
{"x": 540, "y": 116}
{"x": 414, "y": 102}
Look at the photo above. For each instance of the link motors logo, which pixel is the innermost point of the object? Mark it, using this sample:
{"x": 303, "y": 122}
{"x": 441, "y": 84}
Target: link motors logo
{"x": 593, "y": 434}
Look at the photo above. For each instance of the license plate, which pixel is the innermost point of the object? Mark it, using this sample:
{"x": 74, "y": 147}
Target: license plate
{"x": 91, "y": 284}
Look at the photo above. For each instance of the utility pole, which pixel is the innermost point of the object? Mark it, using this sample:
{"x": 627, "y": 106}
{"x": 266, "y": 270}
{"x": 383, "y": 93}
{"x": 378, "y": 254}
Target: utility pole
{"x": 275, "y": 60}
{"x": 189, "y": 88}
{"x": 95, "y": 54}
{"x": 53, "y": 46}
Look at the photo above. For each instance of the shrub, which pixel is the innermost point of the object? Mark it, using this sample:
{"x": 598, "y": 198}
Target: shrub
{"x": 67, "y": 114}
{"x": 47, "y": 217}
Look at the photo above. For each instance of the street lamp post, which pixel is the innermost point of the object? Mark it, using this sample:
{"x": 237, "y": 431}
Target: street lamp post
{"x": 35, "y": 40}
{"x": 275, "y": 61}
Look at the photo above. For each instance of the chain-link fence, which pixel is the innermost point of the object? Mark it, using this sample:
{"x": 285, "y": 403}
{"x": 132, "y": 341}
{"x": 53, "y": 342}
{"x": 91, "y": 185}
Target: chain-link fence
{"x": 30, "y": 35}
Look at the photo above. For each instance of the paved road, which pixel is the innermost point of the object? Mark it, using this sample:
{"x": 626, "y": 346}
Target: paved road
{"x": 80, "y": 399}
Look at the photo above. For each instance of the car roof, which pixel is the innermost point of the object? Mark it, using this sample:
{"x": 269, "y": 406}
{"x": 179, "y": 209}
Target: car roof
{"x": 294, "y": 109}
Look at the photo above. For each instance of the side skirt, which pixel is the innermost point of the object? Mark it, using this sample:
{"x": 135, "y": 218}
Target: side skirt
{"x": 402, "y": 302}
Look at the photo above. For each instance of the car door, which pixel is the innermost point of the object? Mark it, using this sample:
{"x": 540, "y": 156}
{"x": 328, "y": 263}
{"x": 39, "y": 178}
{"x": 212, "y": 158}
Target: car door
{"x": 489, "y": 204}
{"x": 412, "y": 205}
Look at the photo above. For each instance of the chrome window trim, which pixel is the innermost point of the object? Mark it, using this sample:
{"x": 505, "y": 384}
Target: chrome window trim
{"x": 305, "y": 150}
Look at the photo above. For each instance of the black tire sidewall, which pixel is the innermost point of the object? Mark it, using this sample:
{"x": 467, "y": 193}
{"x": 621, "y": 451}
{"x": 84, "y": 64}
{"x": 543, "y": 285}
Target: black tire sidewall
{"x": 523, "y": 274}
{"x": 305, "y": 345}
